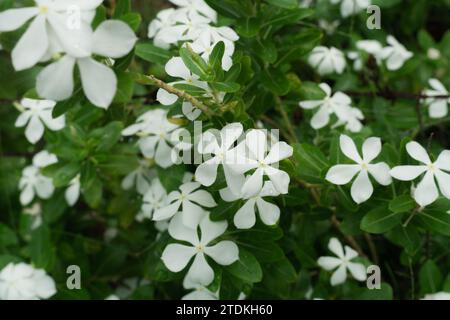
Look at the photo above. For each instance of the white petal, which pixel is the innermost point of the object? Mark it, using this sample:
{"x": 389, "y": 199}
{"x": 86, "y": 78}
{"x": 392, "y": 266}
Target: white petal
{"x": 166, "y": 212}
{"x": 416, "y": 151}
{"x": 34, "y": 130}
{"x": 443, "y": 161}
{"x": 426, "y": 191}
{"x": 279, "y": 179}
{"x": 438, "y": 109}
{"x": 22, "y": 119}
{"x": 192, "y": 214}
{"x": 44, "y": 188}
{"x": 443, "y": 180}
{"x": 328, "y": 263}
{"x": 32, "y": 46}
{"x": 321, "y": 118}
{"x": 311, "y": 104}
{"x": 335, "y": 246}
{"x": 176, "y": 68}
{"x": 176, "y": 256}
{"x": 200, "y": 271}
{"x": 278, "y": 152}
{"x": 166, "y": 98}
{"x": 53, "y": 124}
{"x": 224, "y": 252}
{"x": 99, "y": 82}
{"x": 245, "y": 217}
{"x": 362, "y": 188}
{"x": 113, "y": 38}
{"x": 339, "y": 276}
{"x": 407, "y": 173}
{"x": 348, "y": 148}
{"x": 230, "y": 133}
{"x": 342, "y": 173}
{"x": 206, "y": 173}
{"x": 203, "y": 198}
{"x": 380, "y": 172}
{"x": 27, "y": 195}
{"x": 211, "y": 229}
{"x": 253, "y": 184}
{"x": 147, "y": 146}
{"x": 256, "y": 141}
{"x": 268, "y": 212}
{"x": 371, "y": 149}
{"x": 357, "y": 270}
{"x": 163, "y": 156}
{"x": 72, "y": 194}
{"x": 55, "y": 81}
{"x": 13, "y": 19}
{"x": 179, "y": 231}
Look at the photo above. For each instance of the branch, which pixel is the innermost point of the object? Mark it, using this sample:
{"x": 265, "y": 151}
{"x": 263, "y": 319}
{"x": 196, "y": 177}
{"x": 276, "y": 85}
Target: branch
{"x": 181, "y": 94}
{"x": 348, "y": 238}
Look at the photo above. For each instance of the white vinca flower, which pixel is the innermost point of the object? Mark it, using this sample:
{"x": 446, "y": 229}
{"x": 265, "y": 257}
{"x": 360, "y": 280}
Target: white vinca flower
{"x": 222, "y": 154}
{"x": 191, "y": 200}
{"x": 372, "y": 47}
{"x": 350, "y": 7}
{"x": 338, "y": 104}
{"x": 35, "y": 211}
{"x": 154, "y": 199}
{"x": 395, "y": 54}
{"x": 112, "y": 39}
{"x": 254, "y": 153}
{"x": 342, "y": 263}
{"x": 72, "y": 193}
{"x": 139, "y": 178}
{"x": 36, "y": 114}
{"x": 200, "y": 292}
{"x": 51, "y": 28}
{"x": 23, "y": 282}
{"x": 327, "y": 60}
{"x": 197, "y": 7}
{"x": 33, "y": 182}
{"x": 155, "y": 133}
{"x": 341, "y": 174}
{"x": 245, "y": 217}
{"x": 426, "y": 191}
{"x": 438, "y": 107}
{"x": 177, "y": 256}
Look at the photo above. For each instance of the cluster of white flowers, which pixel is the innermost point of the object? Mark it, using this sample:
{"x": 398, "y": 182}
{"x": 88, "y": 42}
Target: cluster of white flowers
{"x": 338, "y": 104}
{"x": 332, "y": 60}
{"x": 424, "y": 194}
{"x": 57, "y": 33}
{"x": 192, "y": 22}
{"x": 23, "y": 282}
{"x": 350, "y": 7}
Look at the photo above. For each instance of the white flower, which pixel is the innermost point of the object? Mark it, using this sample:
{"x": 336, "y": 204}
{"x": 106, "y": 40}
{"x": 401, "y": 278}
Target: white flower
{"x": 191, "y": 202}
{"x": 438, "y": 107}
{"x": 437, "y": 296}
{"x": 329, "y": 27}
{"x": 426, "y": 191}
{"x": 342, "y": 263}
{"x": 33, "y": 182}
{"x": 155, "y": 198}
{"x": 35, "y": 211}
{"x": 200, "y": 292}
{"x": 51, "y": 27}
{"x": 223, "y": 154}
{"x": 112, "y": 297}
{"x": 433, "y": 54}
{"x": 338, "y": 104}
{"x": 73, "y": 191}
{"x": 177, "y": 256}
{"x": 395, "y": 54}
{"x": 196, "y": 6}
{"x": 36, "y": 114}
{"x": 23, "y": 282}
{"x": 350, "y": 7}
{"x": 254, "y": 153}
{"x": 372, "y": 47}
{"x": 155, "y": 132}
{"x": 341, "y": 174}
{"x": 139, "y": 178}
{"x": 113, "y": 39}
{"x": 245, "y": 217}
{"x": 159, "y": 29}
{"x": 327, "y": 60}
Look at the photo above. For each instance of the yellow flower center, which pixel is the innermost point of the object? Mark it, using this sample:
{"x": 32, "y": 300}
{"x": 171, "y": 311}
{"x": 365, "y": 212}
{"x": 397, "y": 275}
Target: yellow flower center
{"x": 200, "y": 248}
{"x": 43, "y": 9}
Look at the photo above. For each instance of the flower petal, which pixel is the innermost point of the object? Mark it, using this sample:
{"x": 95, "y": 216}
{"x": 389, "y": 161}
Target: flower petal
{"x": 224, "y": 252}
{"x": 192, "y": 214}
{"x": 211, "y": 229}
{"x": 357, "y": 270}
{"x": 167, "y": 212}
{"x": 179, "y": 231}
{"x": 339, "y": 276}
{"x": 362, "y": 188}
{"x": 443, "y": 180}
{"x": 200, "y": 271}
{"x": 335, "y": 246}
{"x": 203, "y": 198}
{"x": 329, "y": 263}
{"x": 13, "y": 19}
{"x": 113, "y": 38}
{"x": 176, "y": 256}
{"x": 380, "y": 172}
{"x": 268, "y": 212}
{"x": 55, "y": 81}
{"x": 348, "y": 148}
{"x": 426, "y": 191}
{"x": 253, "y": 184}
{"x": 417, "y": 152}
{"x": 279, "y": 151}
{"x": 342, "y": 173}
{"x": 245, "y": 217}
{"x": 371, "y": 149}
{"x": 407, "y": 173}
{"x": 443, "y": 161}
{"x": 206, "y": 173}
{"x": 34, "y": 130}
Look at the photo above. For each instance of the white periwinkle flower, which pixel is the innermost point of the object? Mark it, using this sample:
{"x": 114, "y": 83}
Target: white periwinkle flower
{"x": 395, "y": 54}
{"x": 38, "y": 113}
{"x": 338, "y": 104}
{"x": 155, "y": 198}
{"x": 23, "y": 282}
{"x": 50, "y": 28}
{"x": 350, "y": 7}
{"x": 196, "y": 6}
{"x": 33, "y": 182}
{"x": 342, "y": 263}
{"x": 426, "y": 191}
{"x": 139, "y": 178}
{"x": 155, "y": 133}
{"x": 191, "y": 200}
{"x": 438, "y": 107}
{"x": 341, "y": 174}
{"x": 73, "y": 191}
{"x": 433, "y": 54}
{"x": 327, "y": 60}
{"x": 223, "y": 154}
{"x": 200, "y": 292}
{"x": 254, "y": 153}
{"x": 113, "y": 39}
{"x": 177, "y": 256}
{"x": 245, "y": 217}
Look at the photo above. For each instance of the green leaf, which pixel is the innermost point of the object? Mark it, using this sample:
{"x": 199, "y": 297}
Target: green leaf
{"x": 122, "y": 7}
{"x": 133, "y": 19}
{"x": 311, "y": 162}
{"x": 125, "y": 88}
{"x": 152, "y": 53}
{"x": 311, "y": 91}
{"x": 403, "y": 203}
{"x": 224, "y": 210}
{"x": 248, "y": 27}
{"x": 275, "y": 81}
{"x": 436, "y": 221}
{"x": 7, "y": 236}
{"x": 227, "y": 87}
{"x": 93, "y": 193}
{"x": 246, "y": 268}
{"x": 380, "y": 220}
{"x": 108, "y": 135}
{"x": 63, "y": 175}
{"x": 286, "y": 4}
{"x": 196, "y": 64}
{"x": 430, "y": 278}
{"x": 216, "y": 56}
{"x": 171, "y": 178}
{"x": 384, "y": 293}
{"x": 42, "y": 251}
{"x": 285, "y": 17}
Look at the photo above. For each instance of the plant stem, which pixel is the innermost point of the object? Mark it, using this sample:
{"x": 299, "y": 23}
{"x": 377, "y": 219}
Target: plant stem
{"x": 348, "y": 238}
{"x": 372, "y": 248}
{"x": 286, "y": 119}
{"x": 181, "y": 94}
